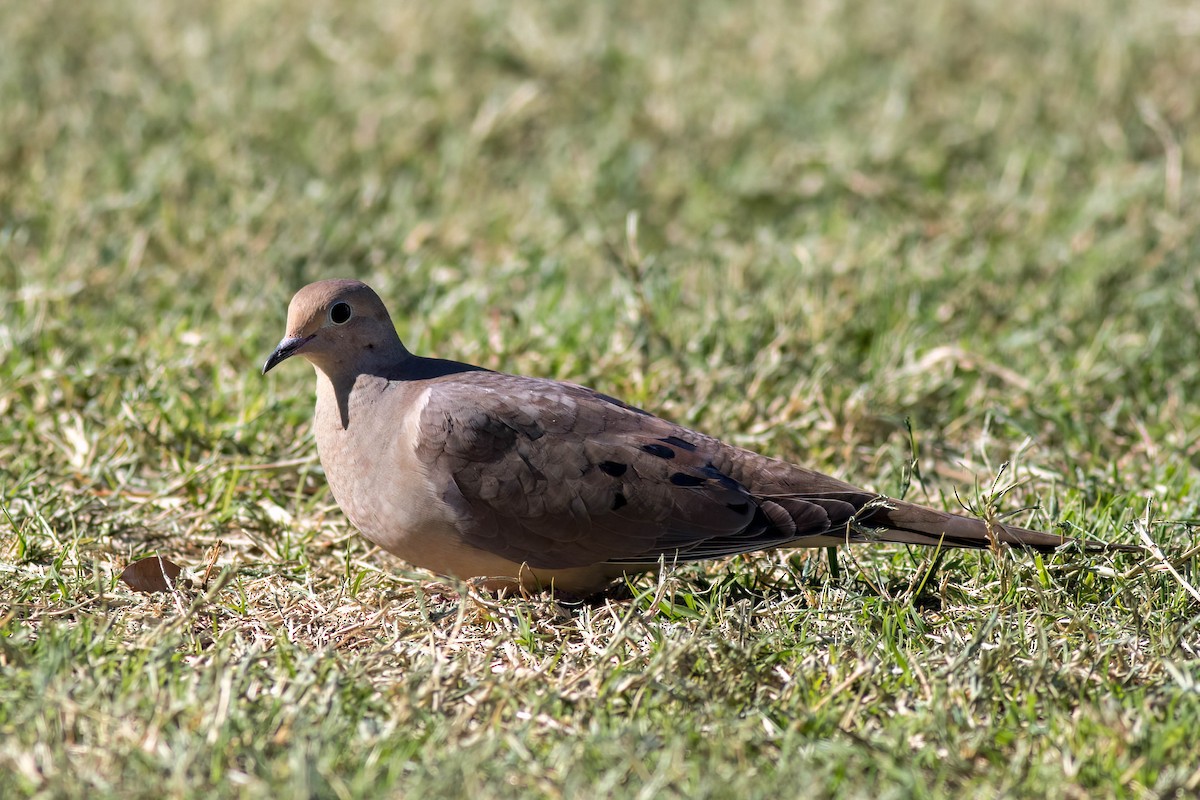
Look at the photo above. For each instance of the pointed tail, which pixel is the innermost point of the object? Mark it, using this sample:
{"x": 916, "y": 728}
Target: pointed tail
{"x": 897, "y": 521}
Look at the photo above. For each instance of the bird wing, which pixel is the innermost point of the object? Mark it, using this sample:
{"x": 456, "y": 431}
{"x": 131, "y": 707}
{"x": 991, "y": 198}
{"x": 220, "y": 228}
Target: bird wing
{"x": 557, "y": 475}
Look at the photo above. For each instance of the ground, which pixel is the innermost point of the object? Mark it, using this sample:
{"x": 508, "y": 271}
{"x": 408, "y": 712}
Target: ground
{"x": 946, "y": 250}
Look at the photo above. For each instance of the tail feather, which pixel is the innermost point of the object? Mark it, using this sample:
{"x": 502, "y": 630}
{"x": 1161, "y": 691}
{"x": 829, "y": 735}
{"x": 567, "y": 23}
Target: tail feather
{"x": 897, "y": 521}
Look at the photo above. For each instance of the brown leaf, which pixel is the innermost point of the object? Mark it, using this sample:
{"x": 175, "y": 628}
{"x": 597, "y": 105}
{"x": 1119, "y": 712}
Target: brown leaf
{"x": 153, "y": 574}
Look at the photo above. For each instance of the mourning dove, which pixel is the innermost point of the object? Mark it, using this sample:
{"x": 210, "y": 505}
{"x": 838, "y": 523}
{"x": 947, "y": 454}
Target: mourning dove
{"x": 477, "y": 474}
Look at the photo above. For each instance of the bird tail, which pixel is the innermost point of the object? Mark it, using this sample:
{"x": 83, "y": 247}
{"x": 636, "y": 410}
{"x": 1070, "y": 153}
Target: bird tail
{"x": 896, "y": 521}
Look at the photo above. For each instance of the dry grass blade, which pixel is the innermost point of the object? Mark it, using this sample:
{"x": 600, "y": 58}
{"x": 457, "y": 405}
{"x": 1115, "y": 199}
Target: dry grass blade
{"x": 1143, "y": 529}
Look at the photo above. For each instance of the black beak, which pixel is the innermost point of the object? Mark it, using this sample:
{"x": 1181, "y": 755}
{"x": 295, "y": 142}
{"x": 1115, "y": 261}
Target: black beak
{"x": 286, "y": 349}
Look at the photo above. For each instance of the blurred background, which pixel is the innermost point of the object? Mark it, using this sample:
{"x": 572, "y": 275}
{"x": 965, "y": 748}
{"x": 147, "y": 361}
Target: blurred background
{"x": 796, "y": 224}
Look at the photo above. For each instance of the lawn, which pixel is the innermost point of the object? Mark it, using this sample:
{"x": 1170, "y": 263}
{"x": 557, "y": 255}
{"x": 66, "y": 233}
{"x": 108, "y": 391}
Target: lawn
{"x": 946, "y": 250}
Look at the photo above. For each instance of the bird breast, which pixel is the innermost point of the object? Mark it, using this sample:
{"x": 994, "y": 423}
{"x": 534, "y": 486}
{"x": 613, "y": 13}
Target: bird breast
{"x": 365, "y": 438}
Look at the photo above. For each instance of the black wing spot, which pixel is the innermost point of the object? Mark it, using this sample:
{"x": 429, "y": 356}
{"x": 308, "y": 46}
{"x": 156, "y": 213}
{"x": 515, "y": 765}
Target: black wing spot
{"x": 613, "y": 468}
{"x": 675, "y": 441}
{"x": 619, "y": 501}
{"x": 683, "y": 479}
{"x": 662, "y": 451}
{"x": 620, "y": 403}
{"x": 738, "y": 508}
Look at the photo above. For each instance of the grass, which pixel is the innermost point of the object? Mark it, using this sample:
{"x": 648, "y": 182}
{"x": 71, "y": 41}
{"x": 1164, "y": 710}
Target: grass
{"x": 795, "y": 225}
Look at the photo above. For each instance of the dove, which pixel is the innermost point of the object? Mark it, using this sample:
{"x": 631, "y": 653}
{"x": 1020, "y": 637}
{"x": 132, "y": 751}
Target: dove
{"x": 530, "y": 483}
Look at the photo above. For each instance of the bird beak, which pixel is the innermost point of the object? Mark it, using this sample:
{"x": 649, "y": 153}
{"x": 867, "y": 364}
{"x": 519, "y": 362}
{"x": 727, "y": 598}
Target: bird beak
{"x": 286, "y": 349}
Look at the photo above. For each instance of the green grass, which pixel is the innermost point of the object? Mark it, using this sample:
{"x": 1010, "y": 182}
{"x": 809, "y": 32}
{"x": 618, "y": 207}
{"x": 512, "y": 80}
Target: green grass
{"x": 796, "y": 225}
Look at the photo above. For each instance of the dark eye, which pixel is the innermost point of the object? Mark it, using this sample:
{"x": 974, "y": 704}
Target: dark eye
{"x": 340, "y": 313}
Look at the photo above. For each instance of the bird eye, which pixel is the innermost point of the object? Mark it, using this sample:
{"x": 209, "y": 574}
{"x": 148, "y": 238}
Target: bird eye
{"x": 339, "y": 314}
